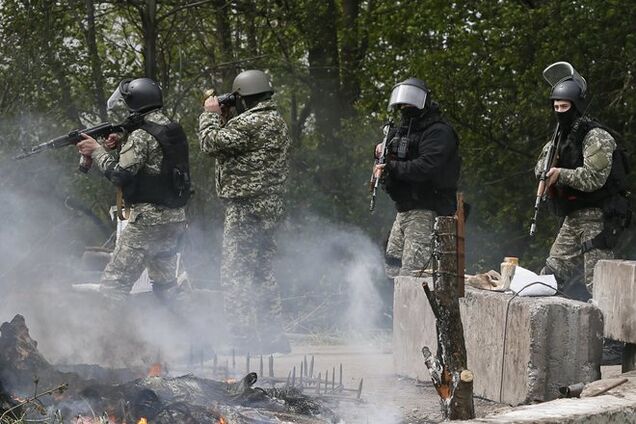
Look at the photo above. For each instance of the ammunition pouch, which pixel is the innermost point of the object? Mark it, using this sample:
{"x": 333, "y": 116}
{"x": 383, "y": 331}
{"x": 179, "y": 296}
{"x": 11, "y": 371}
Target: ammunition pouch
{"x": 617, "y": 216}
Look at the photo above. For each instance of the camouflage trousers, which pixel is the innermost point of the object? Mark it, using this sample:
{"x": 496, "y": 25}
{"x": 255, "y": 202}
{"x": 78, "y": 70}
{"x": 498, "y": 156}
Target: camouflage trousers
{"x": 566, "y": 256}
{"x": 143, "y": 245}
{"x": 409, "y": 246}
{"x": 252, "y": 295}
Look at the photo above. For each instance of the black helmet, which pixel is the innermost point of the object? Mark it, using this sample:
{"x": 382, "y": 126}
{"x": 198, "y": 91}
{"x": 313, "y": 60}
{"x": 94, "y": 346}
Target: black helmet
{"x": 412, "y": 91}
{"x": 571, "y": 90}
{"x": 140, "y": 95}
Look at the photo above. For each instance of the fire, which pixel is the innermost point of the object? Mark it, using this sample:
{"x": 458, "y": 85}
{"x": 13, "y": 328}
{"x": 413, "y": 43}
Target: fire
{"x": 154, "y": 370}
{"x": 231, "y": 380}
{"x": 222, "y": 421}
{"x": 142, "y": 420}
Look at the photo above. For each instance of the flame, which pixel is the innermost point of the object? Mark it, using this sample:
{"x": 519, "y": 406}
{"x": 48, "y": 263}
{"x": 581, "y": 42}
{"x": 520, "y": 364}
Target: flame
{"x": 231, "y": 380}
{"x": 142, "y": 420}
{"x": 222, "y": 421}
{"x": 154, "y": 370}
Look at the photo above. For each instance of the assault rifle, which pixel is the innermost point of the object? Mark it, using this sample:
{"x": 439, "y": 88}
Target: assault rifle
{"x": 375, "y": 181}
{"x": 554, "y": 74}
{"x": 130, "y": 124}
{"x": 542, "y": 193}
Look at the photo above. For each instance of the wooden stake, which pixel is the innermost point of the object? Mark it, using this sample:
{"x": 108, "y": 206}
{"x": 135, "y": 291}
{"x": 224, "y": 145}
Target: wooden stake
{"x": 460, "y": 243}
{"x": 453, "y": 382}
{"x": 260, "y": 367}
{"x": 271, "y": 366}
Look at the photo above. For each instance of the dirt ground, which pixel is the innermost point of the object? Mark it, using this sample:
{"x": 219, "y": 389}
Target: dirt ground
{"x": 386, "y": 398}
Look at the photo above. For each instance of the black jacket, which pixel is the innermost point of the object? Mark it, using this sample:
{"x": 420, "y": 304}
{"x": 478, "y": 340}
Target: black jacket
{"x": 427, "y": 177}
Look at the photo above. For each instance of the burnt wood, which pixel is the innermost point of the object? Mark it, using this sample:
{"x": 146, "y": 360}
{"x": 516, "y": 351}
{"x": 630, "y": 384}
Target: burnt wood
{"x": 453, "y": 382}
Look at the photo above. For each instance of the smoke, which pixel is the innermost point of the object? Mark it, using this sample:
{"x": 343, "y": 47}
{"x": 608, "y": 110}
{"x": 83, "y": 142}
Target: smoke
{"x": 330, "y": 277}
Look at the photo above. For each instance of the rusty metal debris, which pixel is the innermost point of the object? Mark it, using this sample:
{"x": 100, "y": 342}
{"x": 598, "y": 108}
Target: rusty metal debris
{"x": 326, "y": 386}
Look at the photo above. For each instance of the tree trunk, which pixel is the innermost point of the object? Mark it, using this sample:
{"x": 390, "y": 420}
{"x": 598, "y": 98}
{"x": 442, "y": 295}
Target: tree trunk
{"x": 148, "y": 13}
{"x": 324, "y": 67}
{"x": 224, "y": 38}
{"x": 355, "y": 43}
{"x": 453, "y": 382}
{"x": 96, "y": 64}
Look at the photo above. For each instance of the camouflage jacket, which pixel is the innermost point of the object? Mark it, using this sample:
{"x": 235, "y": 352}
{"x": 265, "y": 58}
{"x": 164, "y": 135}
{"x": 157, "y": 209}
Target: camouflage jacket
{"x": 251, "y": 151}
{"x": 141, "y": 151}
{"x": 598, "y": 146}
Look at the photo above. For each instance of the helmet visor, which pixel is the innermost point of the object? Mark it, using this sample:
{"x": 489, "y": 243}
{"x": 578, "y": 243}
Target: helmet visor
{"x": 404, "y": 94}
{"x": 115, "y": 101}
{"x": 562, "y": 71}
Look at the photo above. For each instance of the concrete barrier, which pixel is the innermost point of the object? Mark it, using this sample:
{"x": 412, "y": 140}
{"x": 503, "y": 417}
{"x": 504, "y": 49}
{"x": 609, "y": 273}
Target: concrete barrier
{"x": 413, "y": 328}
{"x": 616, "y": 406}
{"x": 549, "y": 341}
{"x": 615, "y": 294}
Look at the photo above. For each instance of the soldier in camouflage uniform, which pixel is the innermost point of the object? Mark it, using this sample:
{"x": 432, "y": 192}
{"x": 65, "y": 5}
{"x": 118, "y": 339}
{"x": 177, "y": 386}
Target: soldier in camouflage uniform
{"x": 144, "y": 168}
{"x": 251, "y": 163}
{"x": 580, "y": 184}
{"x": 420, "y": 175}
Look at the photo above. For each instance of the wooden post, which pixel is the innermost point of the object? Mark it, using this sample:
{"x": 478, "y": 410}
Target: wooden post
{"x": 461, "y": 256}
{"x": 453, "y": 382}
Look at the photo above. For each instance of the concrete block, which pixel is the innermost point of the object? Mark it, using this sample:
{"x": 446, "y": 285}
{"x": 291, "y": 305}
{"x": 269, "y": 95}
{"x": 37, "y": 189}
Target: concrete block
{"x": 549, "y": 341}
{"x": 616, "y": 406}
{"x": 615, "y": 294}
{"x": 413, "y": 328}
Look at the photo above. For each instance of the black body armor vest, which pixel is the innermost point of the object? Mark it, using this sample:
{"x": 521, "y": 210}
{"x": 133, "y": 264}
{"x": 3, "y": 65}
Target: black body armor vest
{"x": 437, "y": 194}
{"x": 570, "y": 156}
{"x": 171, "y": 187}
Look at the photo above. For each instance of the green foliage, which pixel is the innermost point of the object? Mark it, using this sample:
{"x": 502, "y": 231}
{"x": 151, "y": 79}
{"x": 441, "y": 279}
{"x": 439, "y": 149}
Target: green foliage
{"x": 483, "y": 61}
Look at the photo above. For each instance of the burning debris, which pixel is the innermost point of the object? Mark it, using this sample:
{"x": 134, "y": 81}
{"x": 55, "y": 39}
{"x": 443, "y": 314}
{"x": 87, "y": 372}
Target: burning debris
{"x": 154, "y": 398}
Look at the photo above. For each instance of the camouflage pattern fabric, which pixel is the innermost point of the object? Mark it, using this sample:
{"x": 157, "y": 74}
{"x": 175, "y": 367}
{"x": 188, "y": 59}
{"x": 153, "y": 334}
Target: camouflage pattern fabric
{"x": 409, "y": 246}
{"x": 143, "y": 244}
{"x": 598, "y": 146}
{"x": 252, "y": 296}
{"x": 153, "y": 232}
{"x": 141, "y": 151}
{"x": 251, "y": 151}
{"x": 566, "y": 257}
